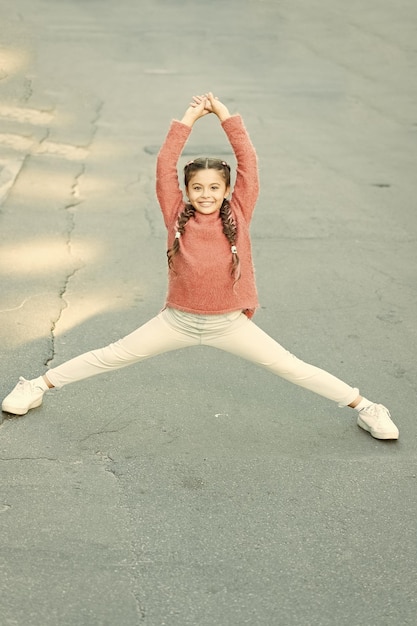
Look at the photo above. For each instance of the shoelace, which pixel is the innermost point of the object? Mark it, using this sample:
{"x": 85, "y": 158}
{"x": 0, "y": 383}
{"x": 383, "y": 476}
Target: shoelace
{"x": 24, "y": 385}
{"x": 377, "y": 411}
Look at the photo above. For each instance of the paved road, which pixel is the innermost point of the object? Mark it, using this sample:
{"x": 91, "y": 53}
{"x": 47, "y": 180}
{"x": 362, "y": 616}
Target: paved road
{"x": 196, "y": 489}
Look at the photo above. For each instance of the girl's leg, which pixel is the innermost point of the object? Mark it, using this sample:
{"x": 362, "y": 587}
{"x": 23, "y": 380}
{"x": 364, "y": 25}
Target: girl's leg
{"x": 160, "y": 334}
{"x": 154, "y": 337}
{"x": 248, "y": 341}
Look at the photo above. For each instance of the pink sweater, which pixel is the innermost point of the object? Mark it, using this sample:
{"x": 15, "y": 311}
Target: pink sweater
{"x": 202, "y": 281}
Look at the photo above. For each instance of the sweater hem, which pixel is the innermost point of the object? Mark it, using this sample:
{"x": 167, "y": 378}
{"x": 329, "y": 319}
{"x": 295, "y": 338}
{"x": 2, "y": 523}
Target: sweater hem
{"x": 247, "y": 310}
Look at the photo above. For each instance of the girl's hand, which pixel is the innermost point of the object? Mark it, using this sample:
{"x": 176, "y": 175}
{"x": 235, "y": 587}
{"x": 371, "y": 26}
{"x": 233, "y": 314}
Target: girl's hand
{"x": 196, "y": 110}
{"x": 213, "y": 105}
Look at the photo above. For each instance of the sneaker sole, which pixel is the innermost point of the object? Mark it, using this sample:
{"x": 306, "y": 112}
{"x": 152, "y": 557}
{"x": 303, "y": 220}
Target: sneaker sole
{"x": 374, "y": 434}
{"x": 20, "y": 411}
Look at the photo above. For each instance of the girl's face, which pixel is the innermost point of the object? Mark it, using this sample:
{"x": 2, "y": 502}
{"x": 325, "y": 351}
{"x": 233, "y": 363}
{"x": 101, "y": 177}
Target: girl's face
{"x": 206, "y": 191}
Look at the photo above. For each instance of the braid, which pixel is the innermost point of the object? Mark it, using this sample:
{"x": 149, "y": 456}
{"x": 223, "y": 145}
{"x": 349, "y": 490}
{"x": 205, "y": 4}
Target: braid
{"x": 230, "y": 230}
{"x": 183, "y": 218}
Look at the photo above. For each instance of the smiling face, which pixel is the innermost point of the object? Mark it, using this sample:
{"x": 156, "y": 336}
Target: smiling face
{"x": 206, "y": 190}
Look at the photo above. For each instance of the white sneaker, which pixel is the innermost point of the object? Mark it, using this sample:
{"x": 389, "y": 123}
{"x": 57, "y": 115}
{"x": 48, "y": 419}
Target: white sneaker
{"x": 376, "y": 419}
{"x": 25, "y": 396}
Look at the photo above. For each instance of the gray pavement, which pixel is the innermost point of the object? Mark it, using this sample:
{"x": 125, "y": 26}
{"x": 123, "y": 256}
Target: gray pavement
{"x": 195, "y": 489}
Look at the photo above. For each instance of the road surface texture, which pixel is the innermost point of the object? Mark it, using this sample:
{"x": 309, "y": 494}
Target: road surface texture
{"x": 196, "y": 489}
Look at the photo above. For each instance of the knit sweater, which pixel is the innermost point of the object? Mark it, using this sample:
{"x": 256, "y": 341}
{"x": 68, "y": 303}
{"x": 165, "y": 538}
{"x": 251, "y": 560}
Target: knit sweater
{"x": 200, "y": 280}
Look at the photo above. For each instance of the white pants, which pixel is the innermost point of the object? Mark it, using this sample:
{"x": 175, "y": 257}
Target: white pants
{"x": 232, "y": 332}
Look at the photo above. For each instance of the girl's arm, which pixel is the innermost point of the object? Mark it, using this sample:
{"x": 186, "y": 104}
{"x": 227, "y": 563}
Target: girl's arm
{"x": 168, "y": 189}
{"x": 246, "y": 189}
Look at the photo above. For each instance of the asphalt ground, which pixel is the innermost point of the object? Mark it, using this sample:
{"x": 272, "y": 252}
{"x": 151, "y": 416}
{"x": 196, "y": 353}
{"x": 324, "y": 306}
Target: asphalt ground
{"x": 195, "y": 489}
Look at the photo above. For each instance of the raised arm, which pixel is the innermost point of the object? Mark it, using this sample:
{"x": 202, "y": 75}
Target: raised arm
{"x": 246, "y": 189}
{"x": 168, "y": 188}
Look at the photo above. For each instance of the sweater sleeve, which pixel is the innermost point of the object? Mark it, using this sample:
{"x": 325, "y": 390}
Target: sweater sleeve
{"x": 246, "y": 189}
{"x": 168, "y": 190}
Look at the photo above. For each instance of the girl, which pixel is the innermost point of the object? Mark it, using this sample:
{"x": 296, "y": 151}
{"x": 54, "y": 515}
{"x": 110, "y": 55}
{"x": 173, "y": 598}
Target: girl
{"x": 211, "y": 290}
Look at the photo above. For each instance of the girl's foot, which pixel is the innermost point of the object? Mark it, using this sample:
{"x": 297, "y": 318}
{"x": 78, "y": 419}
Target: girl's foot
{"x": 376, "y": 419}
{"x": 26, "y": 395}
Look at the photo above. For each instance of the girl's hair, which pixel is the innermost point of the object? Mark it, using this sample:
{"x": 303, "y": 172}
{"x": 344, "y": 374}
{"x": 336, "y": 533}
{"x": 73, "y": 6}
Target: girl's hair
{"x": 206, "y": 163}
{"x": 229, "y": 225}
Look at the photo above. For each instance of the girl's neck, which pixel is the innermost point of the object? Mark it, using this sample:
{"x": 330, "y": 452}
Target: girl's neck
{"x": 210, "y": 218}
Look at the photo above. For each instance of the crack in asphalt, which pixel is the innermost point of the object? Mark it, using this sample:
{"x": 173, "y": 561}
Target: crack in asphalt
{"x": 111, "y": 466}
{"x": 69, "y": 208}
{"x": 104, "y": 431}
{"x": 70, "y": 229}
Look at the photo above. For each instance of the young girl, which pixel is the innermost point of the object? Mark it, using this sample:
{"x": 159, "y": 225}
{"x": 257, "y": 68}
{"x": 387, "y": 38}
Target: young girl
{"x": 211, "y": 290}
